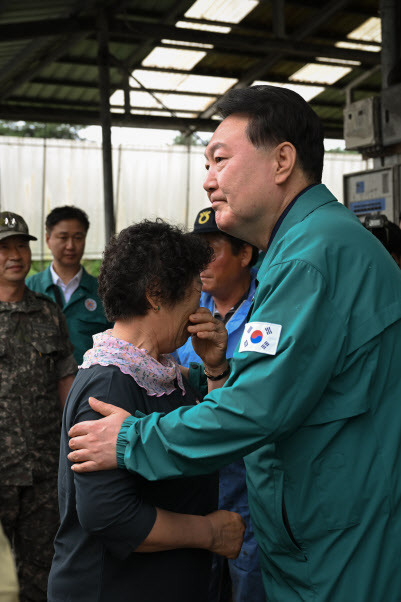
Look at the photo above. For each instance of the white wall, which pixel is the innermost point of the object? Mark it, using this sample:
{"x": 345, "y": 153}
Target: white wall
{"x": 37, "y": 175}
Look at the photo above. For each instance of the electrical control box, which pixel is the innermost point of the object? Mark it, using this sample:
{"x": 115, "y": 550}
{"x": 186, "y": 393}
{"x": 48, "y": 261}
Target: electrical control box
{"x": 362, "y": 127}
{"x": 391, "y": 115}
{"x": 374, "y": 191}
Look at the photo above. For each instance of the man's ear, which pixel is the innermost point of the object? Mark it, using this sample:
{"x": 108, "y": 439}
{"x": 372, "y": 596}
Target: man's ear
{"x": 286, "y": 158}
{"x": 246, "y": 254}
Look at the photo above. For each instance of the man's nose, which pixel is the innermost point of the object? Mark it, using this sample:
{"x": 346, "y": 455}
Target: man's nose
{"x": 70, "y": 243}
{"x": 15, "y": 253}
{"x": 210, "y": 182}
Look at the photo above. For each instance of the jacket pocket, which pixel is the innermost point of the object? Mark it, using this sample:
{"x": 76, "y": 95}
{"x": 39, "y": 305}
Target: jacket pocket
{"x": 285, "y": 537}
{"x": 342, "y": 474}
{"x": 48, "y": 351}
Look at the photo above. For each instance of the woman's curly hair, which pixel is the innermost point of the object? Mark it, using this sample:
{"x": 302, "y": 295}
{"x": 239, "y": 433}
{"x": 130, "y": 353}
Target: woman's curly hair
{"x": 151, "y": 257}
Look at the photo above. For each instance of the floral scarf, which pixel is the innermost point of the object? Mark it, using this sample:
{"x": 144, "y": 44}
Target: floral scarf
{"x": 156, "y": 377}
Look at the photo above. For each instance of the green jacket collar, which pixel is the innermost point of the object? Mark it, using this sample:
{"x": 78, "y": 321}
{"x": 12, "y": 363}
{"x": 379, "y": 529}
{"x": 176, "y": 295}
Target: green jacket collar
{"x": 309, "y": 201}
{"x": 48, "y": 280}
{"x": 86, "y": 280}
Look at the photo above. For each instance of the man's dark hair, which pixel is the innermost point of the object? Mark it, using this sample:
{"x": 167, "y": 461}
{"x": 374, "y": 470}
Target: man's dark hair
{"x": 66, "y": 212}
{"x": 151, "y": 257}
{"x": 277, "y": 115}
{"x": 236, "y": 246}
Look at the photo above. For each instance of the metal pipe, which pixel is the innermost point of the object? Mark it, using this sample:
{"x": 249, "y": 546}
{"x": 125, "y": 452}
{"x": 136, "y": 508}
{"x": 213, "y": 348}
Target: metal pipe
{"x": 390, "y": 21}
{"x": 43, "y": 212}
{"x": 355, "y": 82}
{"x": 278, "y": 18}
{"x": 105, "y": 119}
{"x": 118, "y": 183}
{"x": 188, "y": 189}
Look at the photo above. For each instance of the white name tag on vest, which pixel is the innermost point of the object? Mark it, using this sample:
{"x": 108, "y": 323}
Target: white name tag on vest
{"x": 262, "y": 337}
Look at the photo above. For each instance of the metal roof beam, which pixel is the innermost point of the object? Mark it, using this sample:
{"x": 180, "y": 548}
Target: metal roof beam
{"x": 274, "y": 77}
{"x": 176, "y": 11}
{"x": 255, "y": 45}
{"x": 252, "y": 44}
{"x": 51, "y": 115}
{"x": 358, "y": 11}
{"x": 94, "y": 86}
{"x": 48, "y": 115}
{"x": 36, "y": 55}
{"x": 77, "y": 105}
{"x": 198, "y": 69}
{"x": 258, "y": 71}
{"x": 279, "y": 18}
{"x": 28, "y": 30}
{"x": 137, "y": 15}
{"x": 123, "y": 39}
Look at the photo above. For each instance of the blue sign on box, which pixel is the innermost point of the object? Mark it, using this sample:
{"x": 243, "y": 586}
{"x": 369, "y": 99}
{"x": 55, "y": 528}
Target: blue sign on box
{"x": 369, "y": 206}
{"x": 360, "y": 187}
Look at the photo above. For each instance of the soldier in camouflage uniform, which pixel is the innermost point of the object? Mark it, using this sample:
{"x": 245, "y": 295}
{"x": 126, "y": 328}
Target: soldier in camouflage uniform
{"x": 36, "y": 371}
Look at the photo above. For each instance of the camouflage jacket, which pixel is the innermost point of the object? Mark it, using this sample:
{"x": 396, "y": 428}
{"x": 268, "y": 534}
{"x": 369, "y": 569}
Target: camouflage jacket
{"x": 35, "y": 353}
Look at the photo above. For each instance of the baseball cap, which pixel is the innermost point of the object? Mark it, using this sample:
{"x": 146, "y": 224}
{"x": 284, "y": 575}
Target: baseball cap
{"x": 205, "y": 222}
{"x": 12, "y": 224}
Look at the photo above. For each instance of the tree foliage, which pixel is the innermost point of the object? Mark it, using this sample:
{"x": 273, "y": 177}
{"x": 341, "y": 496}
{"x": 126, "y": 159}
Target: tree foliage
{"x": 34, "y": 129}
{"x": 194, "y": 140}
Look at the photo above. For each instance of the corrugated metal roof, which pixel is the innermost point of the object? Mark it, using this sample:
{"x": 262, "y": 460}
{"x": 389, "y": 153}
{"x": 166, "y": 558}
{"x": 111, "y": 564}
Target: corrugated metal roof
{"x": 49, "y": 56}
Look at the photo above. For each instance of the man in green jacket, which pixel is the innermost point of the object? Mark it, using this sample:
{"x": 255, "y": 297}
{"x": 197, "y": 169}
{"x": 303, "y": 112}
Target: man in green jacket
{"x": 313, "y": 399}
{"x": 67, "y": 282}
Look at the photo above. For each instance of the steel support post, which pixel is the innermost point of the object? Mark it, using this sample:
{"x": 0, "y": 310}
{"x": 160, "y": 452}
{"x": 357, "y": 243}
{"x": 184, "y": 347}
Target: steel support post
{"x": 391, "y": 45}
{"x": 105, "y": 118}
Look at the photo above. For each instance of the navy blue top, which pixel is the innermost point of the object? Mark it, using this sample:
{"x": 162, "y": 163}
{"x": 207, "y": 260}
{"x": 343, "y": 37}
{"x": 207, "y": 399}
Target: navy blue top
{"x": 105, "y": 515}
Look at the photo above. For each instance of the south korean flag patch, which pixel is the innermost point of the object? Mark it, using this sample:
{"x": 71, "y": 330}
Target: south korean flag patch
{"x": 262, "y": 337}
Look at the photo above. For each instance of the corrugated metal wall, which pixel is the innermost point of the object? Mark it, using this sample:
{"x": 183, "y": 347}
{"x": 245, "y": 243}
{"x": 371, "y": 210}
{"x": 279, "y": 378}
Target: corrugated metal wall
{"x": 37, "y": 175}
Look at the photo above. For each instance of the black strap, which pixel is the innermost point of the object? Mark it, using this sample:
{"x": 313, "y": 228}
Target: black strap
{"x": 57, "y": 294}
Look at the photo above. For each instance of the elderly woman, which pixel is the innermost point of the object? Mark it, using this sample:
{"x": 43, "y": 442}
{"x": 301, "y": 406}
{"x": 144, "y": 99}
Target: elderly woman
{"x": 150, "y": 286}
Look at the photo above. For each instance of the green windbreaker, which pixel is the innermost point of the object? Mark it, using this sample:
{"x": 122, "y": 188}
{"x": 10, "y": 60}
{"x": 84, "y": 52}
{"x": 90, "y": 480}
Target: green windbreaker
{"x": 318, "y": 418}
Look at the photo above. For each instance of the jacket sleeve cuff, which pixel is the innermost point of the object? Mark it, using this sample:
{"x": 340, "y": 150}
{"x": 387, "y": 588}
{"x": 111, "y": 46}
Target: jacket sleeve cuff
{"x": 123, "y": 440}
{"x": 197, "y": 378}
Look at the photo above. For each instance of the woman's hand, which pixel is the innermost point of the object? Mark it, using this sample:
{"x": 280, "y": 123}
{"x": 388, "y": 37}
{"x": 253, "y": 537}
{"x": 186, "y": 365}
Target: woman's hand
{"x": 228, "y": 530}
{"x": 209, "y": 339}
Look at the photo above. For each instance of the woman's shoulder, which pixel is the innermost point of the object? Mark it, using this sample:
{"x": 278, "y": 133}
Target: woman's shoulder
{"x": 106, "y": 383}
{"x": 109, "y": 384}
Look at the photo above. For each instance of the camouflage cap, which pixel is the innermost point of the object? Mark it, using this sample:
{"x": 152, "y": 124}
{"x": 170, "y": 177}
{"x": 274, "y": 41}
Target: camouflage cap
{"x": 12, "y": 224}
{"x": 205, "y": 222}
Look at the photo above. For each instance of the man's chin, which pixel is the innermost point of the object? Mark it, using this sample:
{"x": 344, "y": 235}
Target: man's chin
{"x": 227, "y": 227}
{"x": 70, "y": 262}
{"x": 206, "y": 285}
{"x": 17, "y": 278}
{"x": 224, "y": 219}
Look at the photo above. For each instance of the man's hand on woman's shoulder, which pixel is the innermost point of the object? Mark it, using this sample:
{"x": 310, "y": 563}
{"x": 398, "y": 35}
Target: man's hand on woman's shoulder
{"x": 94, "y": 442}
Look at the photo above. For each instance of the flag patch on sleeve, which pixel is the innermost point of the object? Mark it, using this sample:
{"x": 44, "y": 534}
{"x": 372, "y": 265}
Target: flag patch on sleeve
{"x": 262, "y": 337}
